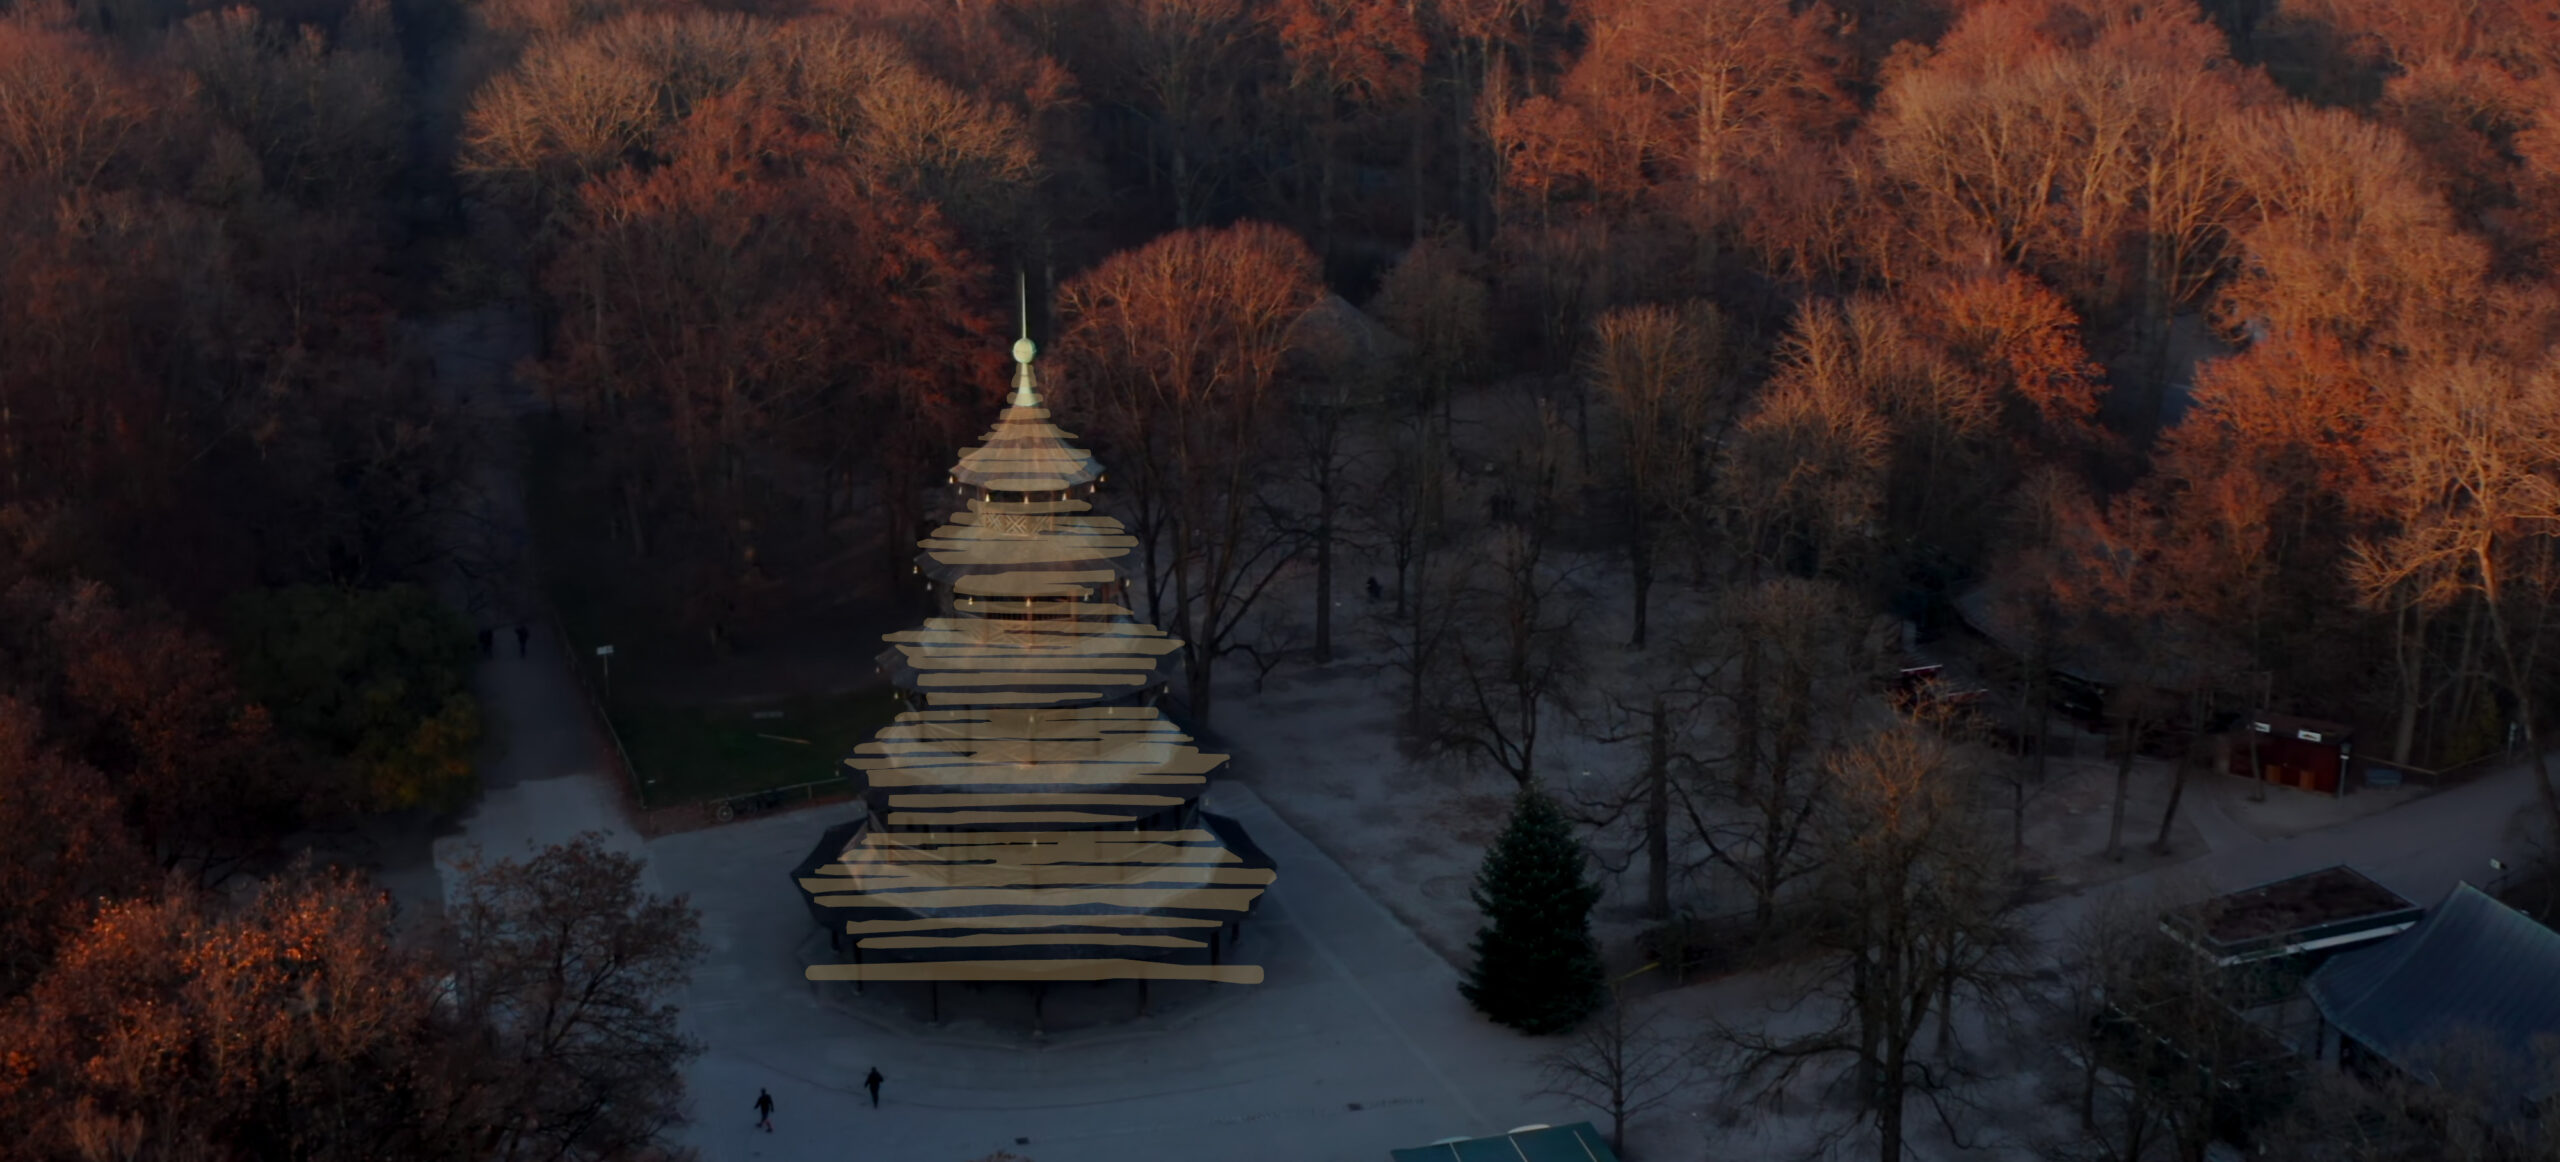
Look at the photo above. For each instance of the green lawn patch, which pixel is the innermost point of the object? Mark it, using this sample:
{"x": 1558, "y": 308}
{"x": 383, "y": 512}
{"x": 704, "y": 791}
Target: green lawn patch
{"x": 689, "y": 754}
{"x": 694, "y": 729}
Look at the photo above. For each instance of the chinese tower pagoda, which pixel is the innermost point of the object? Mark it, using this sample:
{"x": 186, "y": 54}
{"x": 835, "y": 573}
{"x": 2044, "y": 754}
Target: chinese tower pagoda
{"x": 1032, "y": 815}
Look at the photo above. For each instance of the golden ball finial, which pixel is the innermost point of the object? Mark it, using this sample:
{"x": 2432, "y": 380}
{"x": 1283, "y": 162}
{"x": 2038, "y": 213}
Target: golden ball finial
{"x": 1023, "y": 350}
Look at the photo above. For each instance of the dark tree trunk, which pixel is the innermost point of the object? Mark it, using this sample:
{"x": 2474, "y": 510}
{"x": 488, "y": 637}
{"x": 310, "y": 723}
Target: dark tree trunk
{"x": 1657, "y": 817}
{"x": 2178, "y": 781}
{"x": 1888, "y": 1099}
{"x": 2089, "y": 1088}
{"x": 1640, "y": 565}
{"x": 631, "y": 507}
{"x": 2124, "y": 779}
{"x": 1324, "y": 557}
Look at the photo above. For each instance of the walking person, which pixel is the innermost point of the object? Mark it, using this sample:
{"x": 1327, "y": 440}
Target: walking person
{"x": 522, "y": 635}
{"x": 764, "y": 1111}
{"x": 872, "y": 1083}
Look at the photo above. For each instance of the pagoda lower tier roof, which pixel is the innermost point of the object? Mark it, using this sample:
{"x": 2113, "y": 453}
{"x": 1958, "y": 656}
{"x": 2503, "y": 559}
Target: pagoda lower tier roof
{"x": 1005, "y": 538}
{"x": 1024, "y": 690}
{"x": 1021, "y": 662}
{"x": 1034, "y": 905}
{"x": 1054, "y": 507}
{"x": 1098, "y": 765}
{"x": 1017, "y": 583}
{"x": 1039, "y": 608}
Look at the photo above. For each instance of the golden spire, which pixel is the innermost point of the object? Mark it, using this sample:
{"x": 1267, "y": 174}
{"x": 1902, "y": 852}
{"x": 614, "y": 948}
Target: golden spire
{"x": 1025, "y": 394}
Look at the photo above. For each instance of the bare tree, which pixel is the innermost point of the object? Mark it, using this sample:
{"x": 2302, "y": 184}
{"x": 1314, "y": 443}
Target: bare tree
{"x": 1405, "y": 512}
{"x": 1321, "y": 425}
{"x": 1436, "y": 300}
{"x": 1704, "y": 94}
{"x": 1656, "y": 371}
{"x": 2095, "y": 943}
{"x": 1342, "y": 373}
{"x": 2136, "y": 708}
{"x": 1418, "y": 633}
{"x": 584, "y": 105}
{"x": 1354, "y": 70}
{"x": 1499, "y": 685}
{"x": 1915, "y": 912}
{"x": 2025, "y": 594}
{"x": 1619, "y": 1062}
{"x": 1188, "y": 59}
{"x": 1660, "y": 721}
{"x": 2475, "y": 1098}
{"x": 1778, "y": 671}
{"x": 1803, "y": 482}
{"x": 2168, "y": 1061}
{"x": 2476, "y": 505}
{"x": 572, "y": 969}
{"x": 1175, "y": 348}
{"x": 972, "y": 158}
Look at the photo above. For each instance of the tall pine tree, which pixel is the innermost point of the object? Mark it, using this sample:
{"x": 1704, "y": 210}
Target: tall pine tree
{"x": 1537, "y": 969}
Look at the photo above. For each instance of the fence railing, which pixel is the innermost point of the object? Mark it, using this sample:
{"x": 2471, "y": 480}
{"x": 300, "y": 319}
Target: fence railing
{"x": 2432, "y": 776}
{"x": 774, "y": 798}
{"x": 717, "y": 810}
{"x": 595, "y": 706}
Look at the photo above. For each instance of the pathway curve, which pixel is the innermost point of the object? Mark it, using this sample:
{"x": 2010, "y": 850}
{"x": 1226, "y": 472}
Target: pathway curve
{"x": 544, "y": 777}
{"x": 2419, "y": 849}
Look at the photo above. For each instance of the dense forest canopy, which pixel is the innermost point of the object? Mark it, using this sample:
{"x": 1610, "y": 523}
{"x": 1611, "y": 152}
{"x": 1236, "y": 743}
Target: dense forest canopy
{"x": 2214, "y": 335}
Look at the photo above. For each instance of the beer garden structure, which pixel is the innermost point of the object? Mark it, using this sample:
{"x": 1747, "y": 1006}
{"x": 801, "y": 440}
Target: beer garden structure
{"x": 1032, "y": 815}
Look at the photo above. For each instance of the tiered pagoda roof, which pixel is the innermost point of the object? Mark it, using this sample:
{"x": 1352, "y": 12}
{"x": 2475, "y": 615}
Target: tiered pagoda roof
{"x": 1033, "y": 815}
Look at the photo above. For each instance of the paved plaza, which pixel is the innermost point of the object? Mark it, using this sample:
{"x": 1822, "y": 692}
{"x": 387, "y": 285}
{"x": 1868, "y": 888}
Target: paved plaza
{"x": 1357, "y": 1041}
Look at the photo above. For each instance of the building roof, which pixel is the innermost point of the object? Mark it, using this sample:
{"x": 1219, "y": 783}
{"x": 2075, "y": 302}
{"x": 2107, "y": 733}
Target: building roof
{"x": 1575, "y": 1143}
{"x": 2473, "y": 966}
{"x": 1340, "y": 338}
{"x": 2273, "y": 917}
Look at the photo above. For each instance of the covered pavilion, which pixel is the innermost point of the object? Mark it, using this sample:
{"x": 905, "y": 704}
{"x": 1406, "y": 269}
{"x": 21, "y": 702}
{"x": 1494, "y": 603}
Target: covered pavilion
{"x": 1032, "y": 814}
{"x": 2475, "y": 979}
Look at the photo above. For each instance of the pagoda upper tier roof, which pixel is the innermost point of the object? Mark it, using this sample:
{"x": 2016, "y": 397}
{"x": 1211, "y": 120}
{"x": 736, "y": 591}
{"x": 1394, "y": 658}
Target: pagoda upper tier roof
{"x": 999, "y": 661}
{"x": 1025, "y": 452}
{"x": 1094, "y": 766}
{"x": 991, "y": 535}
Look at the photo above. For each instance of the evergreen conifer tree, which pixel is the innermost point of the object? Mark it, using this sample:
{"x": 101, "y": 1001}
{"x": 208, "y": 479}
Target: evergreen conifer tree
{"x": 1537, "y": 969}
